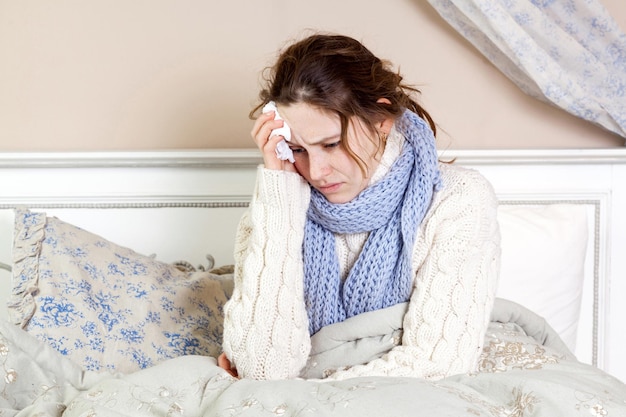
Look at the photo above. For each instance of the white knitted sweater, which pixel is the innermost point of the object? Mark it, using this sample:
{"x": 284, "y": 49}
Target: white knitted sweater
{"x": 455, "y": 264}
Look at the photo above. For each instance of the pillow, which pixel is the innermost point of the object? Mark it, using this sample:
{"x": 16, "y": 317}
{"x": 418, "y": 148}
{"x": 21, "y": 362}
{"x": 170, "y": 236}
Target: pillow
{"x": 106, "y": 306}
{"x": 543, "y": 261}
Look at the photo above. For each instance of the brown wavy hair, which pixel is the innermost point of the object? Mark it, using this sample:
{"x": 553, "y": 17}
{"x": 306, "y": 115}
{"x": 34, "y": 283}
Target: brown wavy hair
{"x": 339, "y": 74}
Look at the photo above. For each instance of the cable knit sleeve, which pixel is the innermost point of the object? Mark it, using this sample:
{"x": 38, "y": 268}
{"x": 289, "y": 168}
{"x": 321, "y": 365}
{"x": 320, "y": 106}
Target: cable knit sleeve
{"x": 266, "y": 325}
{"x": 456, "y": 261}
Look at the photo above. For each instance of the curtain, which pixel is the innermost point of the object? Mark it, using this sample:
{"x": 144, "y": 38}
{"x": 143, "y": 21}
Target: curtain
{"x": 570, "y": 53}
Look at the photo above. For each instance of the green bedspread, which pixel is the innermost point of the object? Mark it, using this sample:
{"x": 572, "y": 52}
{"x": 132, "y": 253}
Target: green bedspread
{"x": 525, "y": 370}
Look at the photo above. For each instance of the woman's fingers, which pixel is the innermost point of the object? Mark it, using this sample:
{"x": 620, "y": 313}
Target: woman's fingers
{"x": 270, "y": 159}
{"x": 224, "y": 363}
{"x": 263, "y": 127}
{"x": 260, "y": 133}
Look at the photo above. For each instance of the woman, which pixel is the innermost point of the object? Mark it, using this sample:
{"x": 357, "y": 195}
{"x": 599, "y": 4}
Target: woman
{"x": 363, "y": 219}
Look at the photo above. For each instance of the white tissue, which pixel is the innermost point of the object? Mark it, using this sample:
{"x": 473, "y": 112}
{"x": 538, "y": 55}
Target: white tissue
{"x": 283, "y": 152}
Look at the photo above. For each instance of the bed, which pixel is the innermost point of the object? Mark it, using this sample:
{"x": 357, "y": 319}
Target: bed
{"x": 121, "y": 263}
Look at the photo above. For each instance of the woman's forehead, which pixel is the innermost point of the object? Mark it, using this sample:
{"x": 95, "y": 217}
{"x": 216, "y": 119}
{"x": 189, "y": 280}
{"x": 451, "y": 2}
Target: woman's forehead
{"x": 310, "y": 124}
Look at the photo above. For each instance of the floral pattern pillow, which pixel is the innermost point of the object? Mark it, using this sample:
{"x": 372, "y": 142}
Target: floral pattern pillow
{"x": 105, "y": 306}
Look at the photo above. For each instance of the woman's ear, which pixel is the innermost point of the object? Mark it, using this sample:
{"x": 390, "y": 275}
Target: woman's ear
{"x": 385, "y": 125}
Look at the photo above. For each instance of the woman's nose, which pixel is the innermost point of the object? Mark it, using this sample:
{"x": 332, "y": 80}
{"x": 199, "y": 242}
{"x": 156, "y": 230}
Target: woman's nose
{"x": 319, "y": 167}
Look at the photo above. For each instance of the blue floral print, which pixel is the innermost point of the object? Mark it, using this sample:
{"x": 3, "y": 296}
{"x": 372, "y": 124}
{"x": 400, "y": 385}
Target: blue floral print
{"x": 569, "y": 53}
{"x": 104, "y": 305}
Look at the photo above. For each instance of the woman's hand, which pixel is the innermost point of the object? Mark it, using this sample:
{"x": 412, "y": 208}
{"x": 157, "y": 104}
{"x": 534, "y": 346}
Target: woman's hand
{"x": 224, "y": 363}
{"x": 260, "y": 134}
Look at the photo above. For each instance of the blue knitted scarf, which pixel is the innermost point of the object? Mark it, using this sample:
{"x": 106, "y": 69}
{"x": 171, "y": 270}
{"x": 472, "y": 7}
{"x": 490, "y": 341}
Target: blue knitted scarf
{"x": 391, "y": 210}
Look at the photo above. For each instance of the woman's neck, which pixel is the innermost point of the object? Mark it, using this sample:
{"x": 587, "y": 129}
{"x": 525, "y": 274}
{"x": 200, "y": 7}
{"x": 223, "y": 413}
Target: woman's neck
{"x": 393, "y": 149}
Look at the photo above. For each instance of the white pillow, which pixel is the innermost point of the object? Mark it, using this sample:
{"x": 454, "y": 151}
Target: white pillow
{"x": 543, "y": 261}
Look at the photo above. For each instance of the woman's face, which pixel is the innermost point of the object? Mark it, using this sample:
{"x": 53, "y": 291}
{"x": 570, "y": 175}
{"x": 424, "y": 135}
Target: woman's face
{"x": 320, "y": 158}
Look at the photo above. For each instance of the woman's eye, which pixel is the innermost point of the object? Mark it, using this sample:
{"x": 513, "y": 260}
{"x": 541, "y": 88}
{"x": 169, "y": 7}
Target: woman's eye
{"x": 332, "y": 145}
{"x": 297, "y": 150}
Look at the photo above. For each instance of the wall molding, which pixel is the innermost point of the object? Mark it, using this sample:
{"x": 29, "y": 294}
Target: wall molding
{"x": 237, "y": 158}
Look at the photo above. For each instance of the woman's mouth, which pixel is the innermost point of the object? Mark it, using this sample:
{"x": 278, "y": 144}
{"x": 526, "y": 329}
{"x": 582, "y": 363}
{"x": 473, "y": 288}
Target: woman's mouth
{"x": 330, "y": 188}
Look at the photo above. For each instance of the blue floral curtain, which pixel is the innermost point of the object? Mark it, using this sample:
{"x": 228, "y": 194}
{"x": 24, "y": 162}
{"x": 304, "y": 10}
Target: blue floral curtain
{"x": 570, "y": 53}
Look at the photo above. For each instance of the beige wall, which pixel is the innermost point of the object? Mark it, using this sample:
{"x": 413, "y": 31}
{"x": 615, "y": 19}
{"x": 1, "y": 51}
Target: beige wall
{"x": 160, "y": 74}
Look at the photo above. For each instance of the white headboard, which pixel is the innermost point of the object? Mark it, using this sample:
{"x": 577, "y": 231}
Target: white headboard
{"x": 183, "y": 205}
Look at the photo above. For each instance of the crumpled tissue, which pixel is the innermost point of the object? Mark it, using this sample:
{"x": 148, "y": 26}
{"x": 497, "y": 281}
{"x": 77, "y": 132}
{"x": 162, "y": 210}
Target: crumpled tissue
{"x": 283, "y": 152}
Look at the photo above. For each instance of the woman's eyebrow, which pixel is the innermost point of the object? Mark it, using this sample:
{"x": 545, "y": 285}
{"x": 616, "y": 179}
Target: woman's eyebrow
{"x": 321, "y": 140}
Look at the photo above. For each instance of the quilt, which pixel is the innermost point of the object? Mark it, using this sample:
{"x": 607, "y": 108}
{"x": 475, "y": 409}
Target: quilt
{"x": 525, "y": 370}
